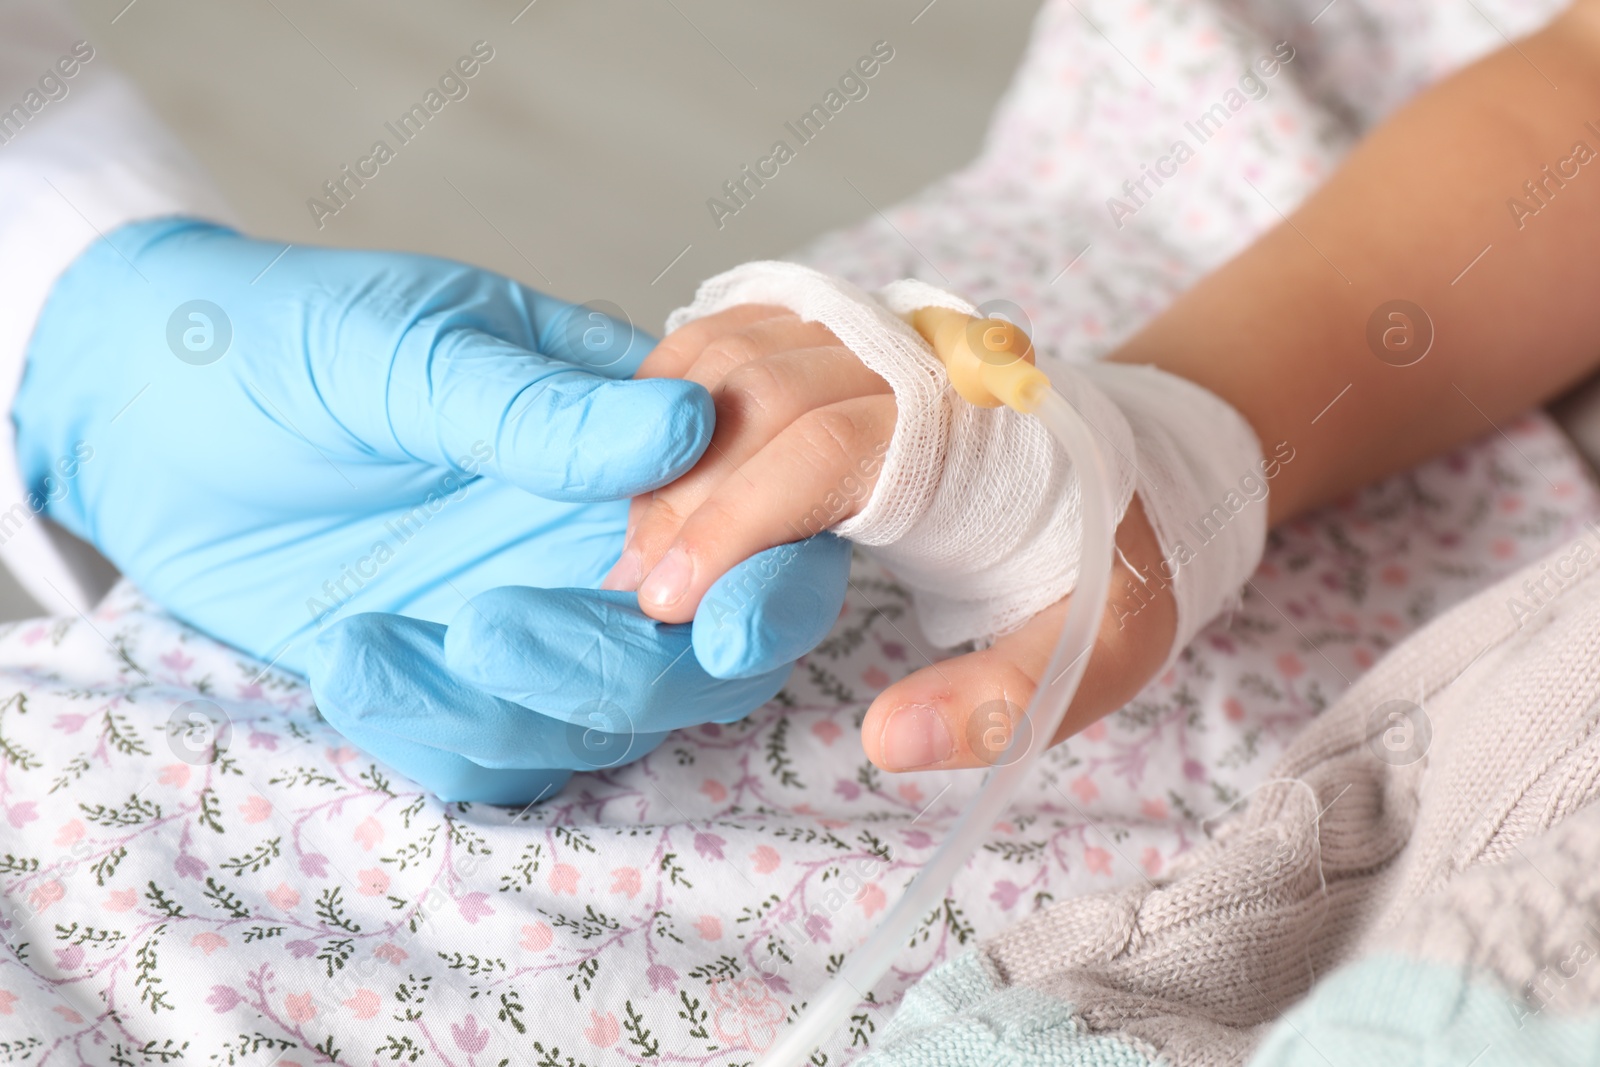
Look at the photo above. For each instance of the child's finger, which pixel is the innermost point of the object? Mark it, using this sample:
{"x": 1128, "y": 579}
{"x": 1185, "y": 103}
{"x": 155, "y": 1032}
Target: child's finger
{"x": 962, "y": 712}
{"x": 677, "y": 351}
{"x": 638, "y": 507}
{"x": 815, "y": 474}
{"x": 705, "y": 349}
{"x": 780, "y": 333}
{"x": 754, "y": 404}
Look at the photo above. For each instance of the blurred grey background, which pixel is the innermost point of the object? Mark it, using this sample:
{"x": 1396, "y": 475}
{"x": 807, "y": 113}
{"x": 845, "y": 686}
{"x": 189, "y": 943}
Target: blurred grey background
{"x": 582, "y": 156}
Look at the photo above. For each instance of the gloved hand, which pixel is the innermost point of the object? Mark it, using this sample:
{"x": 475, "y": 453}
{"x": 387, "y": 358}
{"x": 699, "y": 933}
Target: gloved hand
{"x": 276, "y": 448}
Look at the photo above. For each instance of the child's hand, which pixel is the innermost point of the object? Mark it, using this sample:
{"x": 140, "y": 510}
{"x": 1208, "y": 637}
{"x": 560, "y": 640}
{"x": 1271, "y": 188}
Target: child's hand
{"x": 798, "y": 417}
{"x": 959, "y": 712}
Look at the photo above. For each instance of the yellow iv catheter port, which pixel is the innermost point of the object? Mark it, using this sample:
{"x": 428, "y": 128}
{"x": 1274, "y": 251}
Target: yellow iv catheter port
{"x": 989, "y": 362}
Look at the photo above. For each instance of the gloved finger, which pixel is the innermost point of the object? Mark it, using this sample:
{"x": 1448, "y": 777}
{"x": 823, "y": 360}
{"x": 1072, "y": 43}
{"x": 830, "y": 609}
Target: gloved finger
{"x": 818, "y": 472}
{"x": 588, "y": 336}
{"x": 452, "y": 777}
{"x": 377, "y": 674}
{"x": 677, "y": 352}
{"x": 964, "y": 711}
{"x": 447, "y": 775}
{"x": 573, "y": 653}
{"x": 540, "y": 423}
{"x": 772, "y": 608}
{"x": 755, "y": 402}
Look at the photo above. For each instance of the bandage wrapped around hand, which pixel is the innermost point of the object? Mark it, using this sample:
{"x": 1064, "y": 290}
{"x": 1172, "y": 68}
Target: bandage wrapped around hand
{"x": 978, "y": 511}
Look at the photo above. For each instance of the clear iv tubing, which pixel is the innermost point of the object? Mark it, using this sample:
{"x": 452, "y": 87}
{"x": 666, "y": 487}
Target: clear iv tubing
{"x": 831, "y": 1007}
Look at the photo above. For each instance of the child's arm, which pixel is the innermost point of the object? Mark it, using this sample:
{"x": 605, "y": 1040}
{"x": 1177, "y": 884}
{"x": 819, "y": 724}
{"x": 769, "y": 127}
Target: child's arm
{"x": 1280, "y": 332}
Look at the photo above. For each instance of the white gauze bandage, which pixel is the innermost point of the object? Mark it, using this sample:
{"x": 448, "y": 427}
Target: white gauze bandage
{"x": 977, "y": 511}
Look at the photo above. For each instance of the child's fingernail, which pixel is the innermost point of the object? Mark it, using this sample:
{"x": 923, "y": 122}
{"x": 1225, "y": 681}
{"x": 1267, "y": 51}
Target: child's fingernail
{"x": 914, "y": 736}
{"x": 624, "y": 573}
{"x": 669, "y": 580}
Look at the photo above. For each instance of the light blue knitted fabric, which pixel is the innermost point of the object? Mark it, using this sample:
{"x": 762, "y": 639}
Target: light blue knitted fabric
{"x": 1402, "y": 1012}
{"x": 1386, "y": 1010}
{"x": 959, "y": 1016}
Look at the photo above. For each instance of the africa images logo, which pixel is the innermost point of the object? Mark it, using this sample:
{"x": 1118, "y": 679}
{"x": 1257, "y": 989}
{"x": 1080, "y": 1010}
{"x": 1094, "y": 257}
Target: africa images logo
{"x": 453, "y": 86}
{"x": 852, "y": 85}
{"x": 1252, "y": 86}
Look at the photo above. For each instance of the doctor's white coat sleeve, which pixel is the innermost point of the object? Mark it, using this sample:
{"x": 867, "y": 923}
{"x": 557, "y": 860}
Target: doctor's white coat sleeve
{"x": 81, "y": 153}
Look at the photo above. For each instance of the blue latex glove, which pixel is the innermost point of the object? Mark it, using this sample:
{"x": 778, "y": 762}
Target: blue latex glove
{"x": 405, "y": 478}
